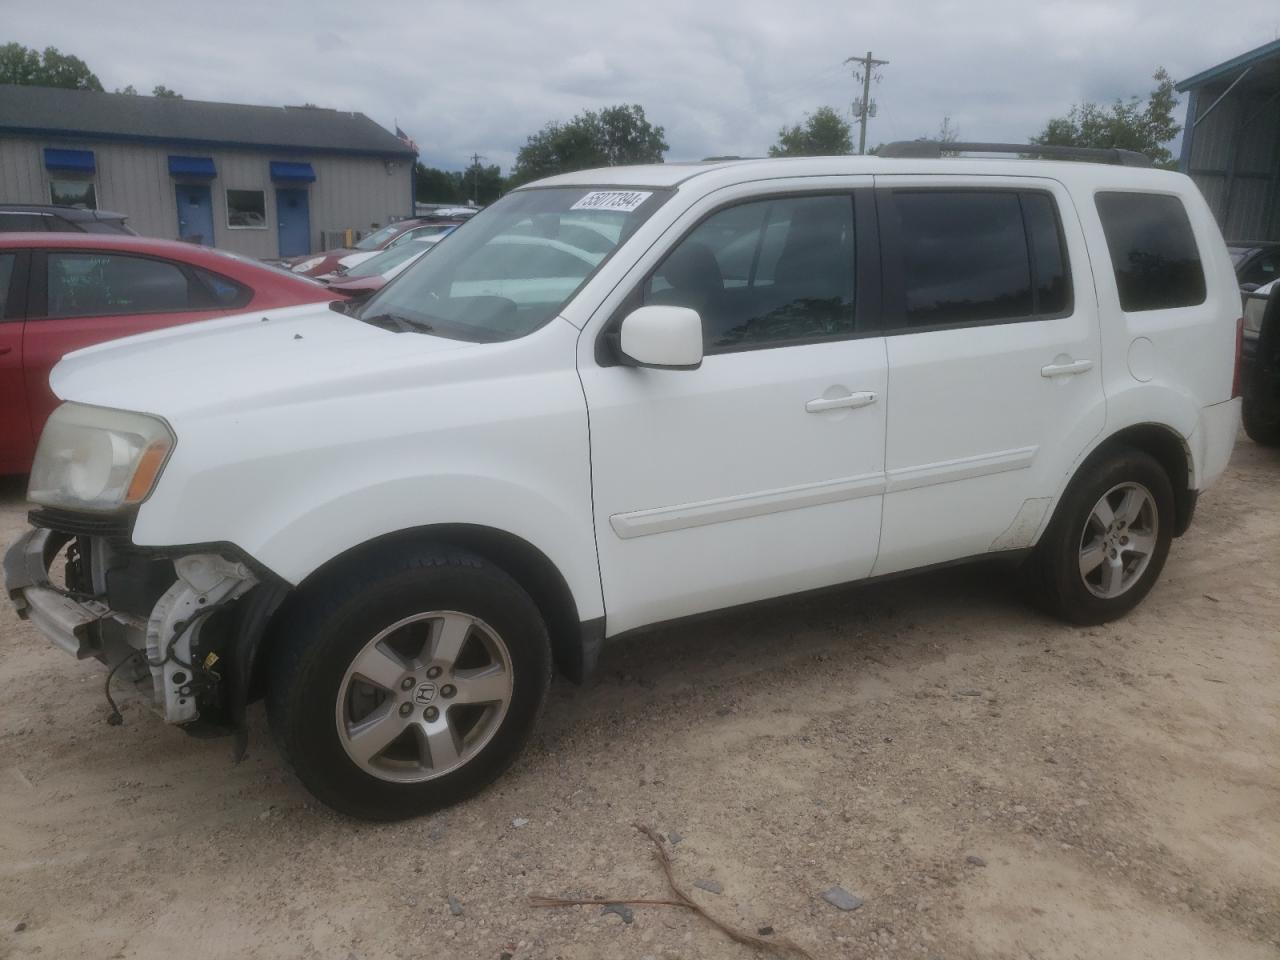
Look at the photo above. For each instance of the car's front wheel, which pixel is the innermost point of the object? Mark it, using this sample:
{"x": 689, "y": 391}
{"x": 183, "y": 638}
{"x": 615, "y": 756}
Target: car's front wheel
{"x": 1108, "y": 540}
{"x": 407, "y": 683}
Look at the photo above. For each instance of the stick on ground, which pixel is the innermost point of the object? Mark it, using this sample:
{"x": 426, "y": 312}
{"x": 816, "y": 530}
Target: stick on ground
{"x": 681, "y": 898}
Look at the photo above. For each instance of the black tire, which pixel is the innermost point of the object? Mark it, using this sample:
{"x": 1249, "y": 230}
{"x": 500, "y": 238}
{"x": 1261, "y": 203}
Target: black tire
{"x": 1261, "y": 408}
{"x": 1054, "y": 569}
{"x": 330, "y": 623}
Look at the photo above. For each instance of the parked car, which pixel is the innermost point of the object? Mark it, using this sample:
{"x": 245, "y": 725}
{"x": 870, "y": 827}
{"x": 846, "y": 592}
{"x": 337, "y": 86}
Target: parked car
{"x": 785, "y": 375}
{"x": 318, "y": 264}
{"x": 1256, "y": 262}
{"x": 63, "y": 291}
{"x": 40, "y": 218}
{"x": 368, "y": 277}
{"x": 1261, "y": 364}
{"x": 430, "y": 233}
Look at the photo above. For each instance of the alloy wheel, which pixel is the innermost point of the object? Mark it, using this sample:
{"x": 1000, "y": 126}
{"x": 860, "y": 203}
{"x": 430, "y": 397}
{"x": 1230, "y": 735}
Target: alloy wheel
{"x": 424, "y": 696}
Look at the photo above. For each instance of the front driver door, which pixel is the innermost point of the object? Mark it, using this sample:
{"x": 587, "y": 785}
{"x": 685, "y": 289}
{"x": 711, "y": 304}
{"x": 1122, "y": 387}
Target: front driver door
{"x": 17, "y": 444}
{"x": 759, "y": 474}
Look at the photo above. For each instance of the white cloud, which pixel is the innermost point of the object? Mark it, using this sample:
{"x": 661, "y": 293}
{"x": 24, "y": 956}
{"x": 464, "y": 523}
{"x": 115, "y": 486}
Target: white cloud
{"x": 720, "y": 76}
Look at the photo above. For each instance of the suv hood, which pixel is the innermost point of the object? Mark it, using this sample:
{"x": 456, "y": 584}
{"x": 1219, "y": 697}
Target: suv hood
{"x": 259, "y": 359}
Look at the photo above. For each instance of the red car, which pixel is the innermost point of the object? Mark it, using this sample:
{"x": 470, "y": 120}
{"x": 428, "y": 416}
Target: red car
{"x": 63, "y": 291}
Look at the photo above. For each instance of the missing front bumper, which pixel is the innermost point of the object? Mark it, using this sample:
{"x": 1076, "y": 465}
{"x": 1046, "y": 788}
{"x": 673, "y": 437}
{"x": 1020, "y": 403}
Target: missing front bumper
{"x": 168, "y": 640}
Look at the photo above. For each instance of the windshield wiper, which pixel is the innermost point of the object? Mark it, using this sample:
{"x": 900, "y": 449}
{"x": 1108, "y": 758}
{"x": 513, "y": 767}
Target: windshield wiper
{"x": 394, "y": 321}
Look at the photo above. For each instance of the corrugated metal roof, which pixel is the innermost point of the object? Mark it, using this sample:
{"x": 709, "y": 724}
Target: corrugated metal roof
{"x": 117, "y": 116}
{"x": 1264, "y": 52}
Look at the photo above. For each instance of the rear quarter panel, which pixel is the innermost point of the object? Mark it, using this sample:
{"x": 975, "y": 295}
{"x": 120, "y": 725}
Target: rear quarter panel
{"x": 1163, "y": 366}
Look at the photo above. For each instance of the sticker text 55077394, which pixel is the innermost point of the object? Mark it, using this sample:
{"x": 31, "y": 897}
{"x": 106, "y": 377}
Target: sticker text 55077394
{"x": 623, "y": 201}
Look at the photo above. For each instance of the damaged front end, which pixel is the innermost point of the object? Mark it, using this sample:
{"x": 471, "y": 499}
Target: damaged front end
{"x": 183, "y": 625}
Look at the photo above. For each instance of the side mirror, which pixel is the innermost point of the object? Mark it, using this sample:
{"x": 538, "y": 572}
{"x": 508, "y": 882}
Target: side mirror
{"x": 1249, "y": 287}
{"x": 667, "y": 338}
{"x": 339, "y": 306}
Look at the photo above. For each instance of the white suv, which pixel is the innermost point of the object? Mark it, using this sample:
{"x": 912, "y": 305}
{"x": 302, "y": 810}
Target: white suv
{"x": 620, "y": 397}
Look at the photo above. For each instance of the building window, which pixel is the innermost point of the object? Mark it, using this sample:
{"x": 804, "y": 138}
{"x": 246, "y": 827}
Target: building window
{"x": 73, "y": 193}
{"x": 247, "y": 209}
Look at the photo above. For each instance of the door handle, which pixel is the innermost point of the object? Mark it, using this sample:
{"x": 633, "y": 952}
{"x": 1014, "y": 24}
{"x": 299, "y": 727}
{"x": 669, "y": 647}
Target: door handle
{"x": 1069, "y": 369}
{"x": 851, "y": 400}
{"x": 4, "y": 351}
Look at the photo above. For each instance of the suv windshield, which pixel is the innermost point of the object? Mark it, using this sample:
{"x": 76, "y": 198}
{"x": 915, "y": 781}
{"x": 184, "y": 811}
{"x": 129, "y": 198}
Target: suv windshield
{"x": 513, "y": 266}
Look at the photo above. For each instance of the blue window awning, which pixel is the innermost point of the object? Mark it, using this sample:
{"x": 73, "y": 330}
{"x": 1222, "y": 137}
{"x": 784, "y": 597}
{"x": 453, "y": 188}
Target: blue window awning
{"x": 192, "y": 167}
{"x": 69, "y": 161}
{"x": 292, "y": 172}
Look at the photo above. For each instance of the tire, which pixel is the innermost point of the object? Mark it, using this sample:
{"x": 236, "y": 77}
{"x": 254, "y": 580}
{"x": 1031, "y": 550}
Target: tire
{"x": 447, "y": 620}
{"x": 1261, "y": 408}
{"x": 1076, "y": 537}
{"x": 1261, "y": 421}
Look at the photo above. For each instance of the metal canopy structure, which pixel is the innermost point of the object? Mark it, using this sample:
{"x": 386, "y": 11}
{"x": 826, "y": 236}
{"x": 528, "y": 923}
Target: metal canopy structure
{"x": 1231, "y": 141}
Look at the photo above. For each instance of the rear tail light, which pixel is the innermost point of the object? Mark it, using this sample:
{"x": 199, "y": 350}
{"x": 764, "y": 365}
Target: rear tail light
{"x": 1237, "y": 386}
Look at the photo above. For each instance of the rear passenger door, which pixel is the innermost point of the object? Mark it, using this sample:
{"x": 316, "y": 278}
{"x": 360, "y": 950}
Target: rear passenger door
{"x": 82, "y": 297}
{"x": 994, "y": 362}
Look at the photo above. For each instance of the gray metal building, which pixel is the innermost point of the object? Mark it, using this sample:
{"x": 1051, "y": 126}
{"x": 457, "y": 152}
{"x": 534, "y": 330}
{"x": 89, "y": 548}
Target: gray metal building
{"x": 262, "y": 181}
{"x": 1231, "y": 141}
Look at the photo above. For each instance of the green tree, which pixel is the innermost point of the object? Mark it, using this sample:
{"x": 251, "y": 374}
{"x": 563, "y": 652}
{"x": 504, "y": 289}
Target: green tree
{"x": 1127, "y": 124}
{"x": 431, "y": 185}
{"x": 29, "y": 67}
{"x": 160, "y": 90}
{"x": 824, "y": 133}
{"x": 480, "y": 183}
{"x": 615, "y": 135}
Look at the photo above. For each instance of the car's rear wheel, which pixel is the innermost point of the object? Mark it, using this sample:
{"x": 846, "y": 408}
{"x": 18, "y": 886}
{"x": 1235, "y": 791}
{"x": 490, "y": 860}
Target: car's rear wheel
{"x": 408, "y": 683}
{"x": 1108, "y": 540}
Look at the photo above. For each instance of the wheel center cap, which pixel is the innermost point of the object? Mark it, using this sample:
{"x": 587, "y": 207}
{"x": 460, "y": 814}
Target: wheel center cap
{"x": 425, "y": 693}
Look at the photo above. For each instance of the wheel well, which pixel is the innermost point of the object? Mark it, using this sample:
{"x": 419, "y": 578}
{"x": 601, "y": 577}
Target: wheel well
{"x": 572, "y": 641}
{"x": 1171, "y": 451}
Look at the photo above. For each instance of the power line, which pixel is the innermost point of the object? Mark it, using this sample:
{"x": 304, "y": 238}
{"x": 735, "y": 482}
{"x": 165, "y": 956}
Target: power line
{"x": 865, "y": 107}
{"x": 475, "y": 178}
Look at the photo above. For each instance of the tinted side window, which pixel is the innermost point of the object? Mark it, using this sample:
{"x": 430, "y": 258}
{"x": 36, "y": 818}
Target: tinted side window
{"x": 1153, "y": 251}
{"x": 23, "y": 223}
{"x": 765, "y": 273}
{"x": 1048, "y": 261}
{"x": 100, "y": 284}
{"x": 964, "y": 256}
{"x": 6, "y": 280}
{"x": 223, "y": 292}
{"x": 1263, "y": 269}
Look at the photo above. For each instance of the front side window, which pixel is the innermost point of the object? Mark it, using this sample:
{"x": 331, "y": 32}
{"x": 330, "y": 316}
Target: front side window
{"x": 105, "y": 284}
{"x": 247, "y": 209}
{"x": 514, "y": 267}
{"x": 1263, "y": 269}
{"x": 1153, "y": 251}
{"x": 73, "y": 193}
{"x": 765, "y": 273}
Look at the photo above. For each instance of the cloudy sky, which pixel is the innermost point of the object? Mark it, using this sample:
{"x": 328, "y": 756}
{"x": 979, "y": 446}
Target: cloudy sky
{"x": 720, "y": 76}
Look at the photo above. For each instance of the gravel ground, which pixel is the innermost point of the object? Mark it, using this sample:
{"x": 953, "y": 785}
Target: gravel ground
{"x": 990, "y": 784}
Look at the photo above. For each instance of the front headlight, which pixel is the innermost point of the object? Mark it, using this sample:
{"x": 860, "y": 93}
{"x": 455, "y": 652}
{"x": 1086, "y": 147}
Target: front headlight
{"x": 96, "y": 459}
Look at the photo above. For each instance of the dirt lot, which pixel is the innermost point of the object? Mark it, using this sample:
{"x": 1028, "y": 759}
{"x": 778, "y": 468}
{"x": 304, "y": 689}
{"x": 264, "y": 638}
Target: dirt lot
{"x": 1118, "y": 789}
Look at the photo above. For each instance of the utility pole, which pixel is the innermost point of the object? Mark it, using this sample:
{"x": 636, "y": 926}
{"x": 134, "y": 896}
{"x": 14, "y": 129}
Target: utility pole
{"x": 475, "y": 178}
{"x": 864, "y": 107}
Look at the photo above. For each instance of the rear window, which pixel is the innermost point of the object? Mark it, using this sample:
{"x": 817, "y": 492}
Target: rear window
{"x": 1153, "y": 251}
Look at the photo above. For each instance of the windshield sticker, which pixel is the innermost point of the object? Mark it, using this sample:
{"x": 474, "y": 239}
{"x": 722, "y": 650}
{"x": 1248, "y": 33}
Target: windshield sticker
{"x": 623, "y": 201}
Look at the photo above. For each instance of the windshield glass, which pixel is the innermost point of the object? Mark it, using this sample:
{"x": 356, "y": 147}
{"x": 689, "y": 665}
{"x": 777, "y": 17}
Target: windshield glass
{"x": 512, "y": 267}
{"x": 377, "y": 265}
{"x": 375, "y": 240}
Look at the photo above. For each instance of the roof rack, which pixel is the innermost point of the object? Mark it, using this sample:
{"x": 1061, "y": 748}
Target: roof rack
{"x": 925, "y": 149}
